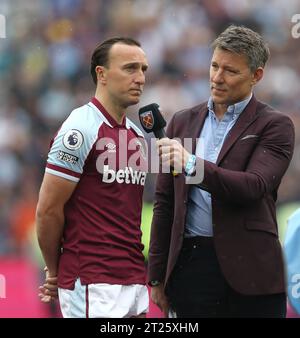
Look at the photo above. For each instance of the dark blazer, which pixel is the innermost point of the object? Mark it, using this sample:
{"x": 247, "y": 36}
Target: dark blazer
{"x": 243, "y": 186}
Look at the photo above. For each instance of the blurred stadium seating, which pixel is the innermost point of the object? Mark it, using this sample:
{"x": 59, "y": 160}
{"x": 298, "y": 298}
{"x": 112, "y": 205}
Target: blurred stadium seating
{"x": 44, "y": 74}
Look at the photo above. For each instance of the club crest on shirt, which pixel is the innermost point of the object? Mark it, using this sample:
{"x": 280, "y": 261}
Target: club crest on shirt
{"x": 73, "y": 139}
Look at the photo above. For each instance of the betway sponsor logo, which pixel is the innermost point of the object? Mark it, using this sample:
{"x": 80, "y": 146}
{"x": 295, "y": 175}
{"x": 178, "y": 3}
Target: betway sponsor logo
{"x": 127, "y": 176}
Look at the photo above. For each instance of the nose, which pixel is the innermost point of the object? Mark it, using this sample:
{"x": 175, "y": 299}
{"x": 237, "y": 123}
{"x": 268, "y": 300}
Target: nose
{"x": 140, "y": 78}
{"x": 217, "y": 76}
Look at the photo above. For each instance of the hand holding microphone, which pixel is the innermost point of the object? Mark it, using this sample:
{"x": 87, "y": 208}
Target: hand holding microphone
{"x": 171, "y": 151}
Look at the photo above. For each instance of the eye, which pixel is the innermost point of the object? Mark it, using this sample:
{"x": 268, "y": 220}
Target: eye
{"x": 232, "y": 71}
{"x": 130, "y": 69}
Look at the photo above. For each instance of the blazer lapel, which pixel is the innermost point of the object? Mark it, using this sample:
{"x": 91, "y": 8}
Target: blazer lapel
{"x": 195, "y": 123}
{"x": 244, "y": 120}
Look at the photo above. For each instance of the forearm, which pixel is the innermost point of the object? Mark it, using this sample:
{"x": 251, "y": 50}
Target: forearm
{"x": 49, "y": 232}
{"x": 238, "y": 187}
{"x": 258, "y": 176}
{"x": 159, "y": 248}
{"x": 161, "y": 227}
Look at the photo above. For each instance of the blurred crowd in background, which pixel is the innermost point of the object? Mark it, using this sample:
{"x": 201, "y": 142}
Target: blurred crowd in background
{"x": 44, "y": 74}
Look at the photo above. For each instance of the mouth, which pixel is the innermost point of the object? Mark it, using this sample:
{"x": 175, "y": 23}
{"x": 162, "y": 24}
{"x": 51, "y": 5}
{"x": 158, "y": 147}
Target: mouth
{"x": 136, "y": 90}
{"x": 220, "y": 90}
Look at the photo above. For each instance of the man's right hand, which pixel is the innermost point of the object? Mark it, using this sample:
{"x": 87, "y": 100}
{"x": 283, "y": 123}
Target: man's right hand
{"x": 160, "y": 299}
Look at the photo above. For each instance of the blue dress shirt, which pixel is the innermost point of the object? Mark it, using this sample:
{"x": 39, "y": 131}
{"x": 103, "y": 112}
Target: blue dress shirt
{"x": 212, "y": 137}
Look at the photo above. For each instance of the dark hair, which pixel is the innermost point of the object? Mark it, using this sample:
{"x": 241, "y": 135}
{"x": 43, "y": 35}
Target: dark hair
{"x": 244, "y": 41}
{"x": 100, "y": 55}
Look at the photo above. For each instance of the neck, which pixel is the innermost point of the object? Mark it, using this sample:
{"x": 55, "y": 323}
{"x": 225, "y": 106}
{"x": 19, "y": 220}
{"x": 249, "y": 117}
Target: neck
{"x": 220, "y": 110}
{"x": 116, "y": 111}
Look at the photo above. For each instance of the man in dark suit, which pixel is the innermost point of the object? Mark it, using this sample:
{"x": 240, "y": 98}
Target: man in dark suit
{"x": 214, "y": 249}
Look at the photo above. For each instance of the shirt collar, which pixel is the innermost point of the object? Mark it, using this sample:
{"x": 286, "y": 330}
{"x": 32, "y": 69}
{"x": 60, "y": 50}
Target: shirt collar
{"x": 234, "y": 109}
{"x": 109, "y": 120}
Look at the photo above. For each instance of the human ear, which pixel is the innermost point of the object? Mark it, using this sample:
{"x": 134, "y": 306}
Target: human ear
{"x": 101, "y": 74}
{"x": 257, "y": 75}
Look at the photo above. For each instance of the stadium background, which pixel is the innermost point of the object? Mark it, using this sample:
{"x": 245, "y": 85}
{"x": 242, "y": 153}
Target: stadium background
{"x": 44, "y": 74}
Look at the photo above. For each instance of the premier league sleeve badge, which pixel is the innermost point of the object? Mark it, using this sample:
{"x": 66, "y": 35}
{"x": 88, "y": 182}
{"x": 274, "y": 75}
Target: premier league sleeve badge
{"x": 73, "y": 139}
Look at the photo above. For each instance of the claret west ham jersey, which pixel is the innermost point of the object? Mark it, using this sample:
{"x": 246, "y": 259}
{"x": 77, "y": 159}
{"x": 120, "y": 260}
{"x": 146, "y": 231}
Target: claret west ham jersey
{"x": 102, "y": 236}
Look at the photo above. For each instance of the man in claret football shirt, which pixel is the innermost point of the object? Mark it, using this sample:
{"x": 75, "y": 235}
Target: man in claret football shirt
{"x": 89, "y": 209}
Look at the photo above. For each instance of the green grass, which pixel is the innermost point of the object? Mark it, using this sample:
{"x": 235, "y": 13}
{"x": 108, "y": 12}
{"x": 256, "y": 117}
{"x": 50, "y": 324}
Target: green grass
{"x": 283, "y": 213}
{"x": 146, "y": 226}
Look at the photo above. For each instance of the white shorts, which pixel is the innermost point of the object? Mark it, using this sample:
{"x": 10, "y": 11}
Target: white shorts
{"x": 103, "y": 300}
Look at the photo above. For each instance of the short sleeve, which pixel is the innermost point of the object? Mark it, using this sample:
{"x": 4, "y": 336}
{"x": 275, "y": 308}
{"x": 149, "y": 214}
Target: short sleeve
{"x": 71, "y": 146}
